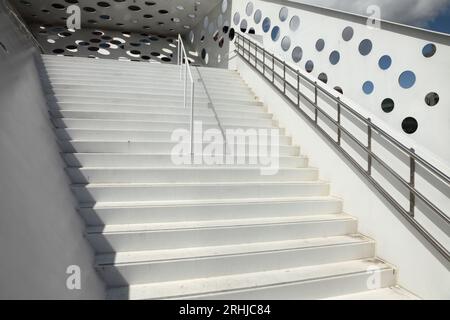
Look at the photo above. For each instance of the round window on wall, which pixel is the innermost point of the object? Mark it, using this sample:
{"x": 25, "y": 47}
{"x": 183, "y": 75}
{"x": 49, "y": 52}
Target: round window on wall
{"x": 224, "y": 6}
{"x": 297, "y": 54}
{"x": 258, "y": 16}
{"x": 286, "y": 43}
{"x": 385, "y": 62}
{"x": 294, "y": 23}
{"x": 320, "y": 45}
{"x": 266, "y": 25}
{"x": 387, "y": 105}
{"x": 335, "y": 57}
{"x": 365, "y": 47}
{"x": 275, "y": 33}
{"x": 368, "y": 87}
{"x": 347, "y": 34}
{"x": 407, "y": 79}
{"x": 249, "y": 9}
{"x": 323, "y": 77}
{"x": 243, "y": 26}
{"x": 284, "y": 12}
{"x": 410, "y": 125}
{"x": 237, "y": 18}
{"x": 429, "y": 50}
{"x": 309, "y": 66}
{"x": 432, "y": 99}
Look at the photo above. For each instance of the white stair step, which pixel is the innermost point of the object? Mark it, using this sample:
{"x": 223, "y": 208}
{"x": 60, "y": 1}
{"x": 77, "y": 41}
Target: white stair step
{"x": 143, "y": 125}
{"x": 147, "y": 116}
{"x": 139, "y": 160}
{"x": 104, "y": 213}
{"x": 392, "y": 293}
{"x": 129, "y": 268}
{"x": 311, "y": 282}
{"x": 222, "y": 110}
{"x": 142, "y": 237}
{"x": 146, "y": 93}
{"x": 158, "y": 147}
{"x": 186, "y": 174}
{"x": 127, "y": 135}
{"x": 148, "y": 101}
{"x": 177, "y": 191}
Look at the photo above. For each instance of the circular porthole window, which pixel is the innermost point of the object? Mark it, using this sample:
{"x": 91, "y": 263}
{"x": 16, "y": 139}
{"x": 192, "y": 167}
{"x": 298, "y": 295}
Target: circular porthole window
{"x": 294, "y": 23}
{"x": 309, "y": 66}
{"x": 284, "y": 12}
{"x": 365, "y": 47}
{"x": 266, "y": 25}
{"x": 275, "y": 33}
{"x": 258, "y": 16}
{"x": 243, "y": 26}
{"x": 407, "y": 79}
{"x": 347, "y": 34}
{"x": 323, "y": 77}
{"x": 286, "y": 43}
{"x": 249, "y": 9}
{"x": 368, "y": 87}
{"x": 297, "y": 54}
{"x": 335, "y": 57}
{"x": 237, "y": 18}
{"x": 385, "y": 62}
{"x": 339, "y": 89}
{"x": 320, "y": 45}
{"x": 387, "y": 105}
{"x": 432, "y": 99}
{"x": 410, "y": 125}
{"x": 429, "y": 50}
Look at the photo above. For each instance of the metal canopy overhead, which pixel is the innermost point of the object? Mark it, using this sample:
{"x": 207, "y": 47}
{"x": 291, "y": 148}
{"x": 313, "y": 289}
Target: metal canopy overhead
{"x": 163, "y": 17}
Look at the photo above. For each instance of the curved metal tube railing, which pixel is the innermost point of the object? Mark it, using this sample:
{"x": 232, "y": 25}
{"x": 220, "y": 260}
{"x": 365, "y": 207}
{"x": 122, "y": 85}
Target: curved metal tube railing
{"x": 249, "y": 50}
{"x": 185, "y": 72}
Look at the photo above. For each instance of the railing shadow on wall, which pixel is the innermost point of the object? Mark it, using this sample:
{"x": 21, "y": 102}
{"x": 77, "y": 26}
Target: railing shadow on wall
{"x": 371, "y": 150}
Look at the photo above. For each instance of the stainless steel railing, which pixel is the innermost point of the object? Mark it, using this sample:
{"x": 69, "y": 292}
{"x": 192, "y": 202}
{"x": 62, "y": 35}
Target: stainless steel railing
{"x": 265, "y": 62}
{"x": 185, "y": 75}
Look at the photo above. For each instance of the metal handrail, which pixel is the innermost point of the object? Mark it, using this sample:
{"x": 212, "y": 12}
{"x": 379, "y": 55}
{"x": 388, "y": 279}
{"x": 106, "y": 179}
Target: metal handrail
{"x": 211, "y": 104}
{"x": 185, "y": 71}
{"x": 22, "y": 25}
{"x": 269, "y": 60}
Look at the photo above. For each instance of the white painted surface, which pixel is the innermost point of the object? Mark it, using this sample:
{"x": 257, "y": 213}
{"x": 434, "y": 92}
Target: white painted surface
{"x": 41, "y": 234}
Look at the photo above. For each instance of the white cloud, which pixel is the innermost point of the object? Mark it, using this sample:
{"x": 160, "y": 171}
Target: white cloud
{"x": 413, "y": 12}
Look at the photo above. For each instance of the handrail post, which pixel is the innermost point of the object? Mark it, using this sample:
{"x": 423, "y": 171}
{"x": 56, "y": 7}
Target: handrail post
{"x": 273, "y": 68}
{"x": 298, "y": 89}
{"x": 369, "y": 146}
{"x": 264, "y": 62}
{"x": 316, "y": 112}
{"x": 192, "y": 121}
{"x": 185, "y": 85}
{"x": 339, "y": 121}
{"x": 412, "y": 182}
{"x": 256, "y": 56}
{"x": 284, "y": 77}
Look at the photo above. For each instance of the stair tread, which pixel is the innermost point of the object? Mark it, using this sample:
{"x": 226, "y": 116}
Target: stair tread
{"x": 229, "y": 283}
{"x": 392, "y": 293}
{"x": 135, "y": 257}
{"x": 179, "y": 184}
{"x": 235, "y": 223}
{"x": 145, "y": 204}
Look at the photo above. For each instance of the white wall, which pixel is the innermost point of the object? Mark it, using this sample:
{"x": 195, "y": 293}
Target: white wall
{"x": 421, "y": 270}
{"x": 41, "y": 233}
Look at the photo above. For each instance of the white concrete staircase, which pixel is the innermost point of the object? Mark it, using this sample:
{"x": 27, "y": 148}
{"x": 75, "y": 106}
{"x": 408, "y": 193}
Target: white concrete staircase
{"x": 206, "y": 232}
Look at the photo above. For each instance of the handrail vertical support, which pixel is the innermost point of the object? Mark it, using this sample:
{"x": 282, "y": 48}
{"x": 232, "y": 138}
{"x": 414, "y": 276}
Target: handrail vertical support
{"x": 298, "y": 89}
{"x": 369, "y": 146}
{"x": 284, "y": 77}
{"x": 339, "y": 121}
{"x": 273, "y": 68}
{"x": 316, "y": 112}
{"x": 412, "y": 182}
{"x": 264, "y": 62}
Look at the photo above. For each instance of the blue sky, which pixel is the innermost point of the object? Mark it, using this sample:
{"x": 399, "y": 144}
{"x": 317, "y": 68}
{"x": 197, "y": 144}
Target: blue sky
{"x": 441, "y": 23}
